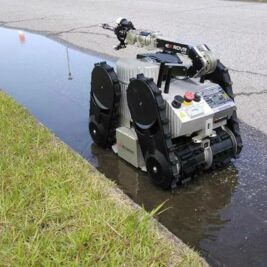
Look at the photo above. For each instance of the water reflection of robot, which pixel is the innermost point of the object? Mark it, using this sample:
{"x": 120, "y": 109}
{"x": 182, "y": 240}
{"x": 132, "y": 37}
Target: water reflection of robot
{"x": 171, "y": 119}
{"x": 192, "y": 208}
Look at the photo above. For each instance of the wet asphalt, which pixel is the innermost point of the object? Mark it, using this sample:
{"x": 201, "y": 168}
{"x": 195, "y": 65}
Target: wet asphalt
{"x": 223, "y": 214}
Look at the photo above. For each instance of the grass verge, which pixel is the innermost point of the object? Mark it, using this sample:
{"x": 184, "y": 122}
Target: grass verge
{"x": 56, "y": 210}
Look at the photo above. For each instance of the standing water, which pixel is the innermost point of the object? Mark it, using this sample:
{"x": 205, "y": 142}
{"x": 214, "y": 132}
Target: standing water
{"x": 222, "y": 214}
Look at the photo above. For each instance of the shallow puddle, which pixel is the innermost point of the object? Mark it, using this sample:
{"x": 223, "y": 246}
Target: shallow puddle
{"x": 223, "y": 214}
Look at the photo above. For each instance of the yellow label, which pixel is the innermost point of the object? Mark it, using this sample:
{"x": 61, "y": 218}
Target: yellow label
{"x": 182, "y": 115}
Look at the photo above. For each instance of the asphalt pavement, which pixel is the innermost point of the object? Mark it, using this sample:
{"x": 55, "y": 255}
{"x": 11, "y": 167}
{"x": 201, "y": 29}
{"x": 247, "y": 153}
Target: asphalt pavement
{"x": 235, "y": 31}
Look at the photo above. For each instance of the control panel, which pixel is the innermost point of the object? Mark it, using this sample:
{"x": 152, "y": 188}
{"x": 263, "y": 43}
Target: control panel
{"x": 215, "y": 96}
{"x": 195, "y": 107}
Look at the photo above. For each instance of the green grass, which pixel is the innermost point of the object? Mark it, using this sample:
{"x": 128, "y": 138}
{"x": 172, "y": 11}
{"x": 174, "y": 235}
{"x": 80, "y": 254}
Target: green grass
{"x": 56, "y": 210}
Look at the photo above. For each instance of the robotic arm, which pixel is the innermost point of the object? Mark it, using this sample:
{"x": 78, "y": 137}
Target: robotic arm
{"x": 203, "y": 60}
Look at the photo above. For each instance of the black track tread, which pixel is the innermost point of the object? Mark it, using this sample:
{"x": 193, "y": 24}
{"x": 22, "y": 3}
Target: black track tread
{"x": 115, "y": 115}
{"x": 223, "y": 159}
{"x": 164, "y": 122}
{"x": 114, "y": 122}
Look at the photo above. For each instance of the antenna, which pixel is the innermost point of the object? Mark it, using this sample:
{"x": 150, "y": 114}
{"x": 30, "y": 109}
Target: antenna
{"x": 68, "y": 61}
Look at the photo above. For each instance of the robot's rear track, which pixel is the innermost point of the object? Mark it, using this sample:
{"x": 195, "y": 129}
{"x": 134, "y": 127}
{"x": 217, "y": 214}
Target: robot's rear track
{"x": 147, "y": 109}
{"x": 104, "y": 105}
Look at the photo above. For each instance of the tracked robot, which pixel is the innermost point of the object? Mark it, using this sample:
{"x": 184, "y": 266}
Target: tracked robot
{"x": 170, "y": 113}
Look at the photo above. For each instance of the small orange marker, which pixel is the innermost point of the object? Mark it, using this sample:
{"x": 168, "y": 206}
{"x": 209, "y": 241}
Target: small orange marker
{"x": 22, "y": 38}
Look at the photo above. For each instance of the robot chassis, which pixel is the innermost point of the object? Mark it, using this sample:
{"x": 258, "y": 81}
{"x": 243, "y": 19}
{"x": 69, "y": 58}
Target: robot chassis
{"x": 171, "y": 119}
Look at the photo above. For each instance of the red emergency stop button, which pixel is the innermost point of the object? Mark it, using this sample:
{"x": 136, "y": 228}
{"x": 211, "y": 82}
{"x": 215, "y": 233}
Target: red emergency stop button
{"x": 189, "y": 96}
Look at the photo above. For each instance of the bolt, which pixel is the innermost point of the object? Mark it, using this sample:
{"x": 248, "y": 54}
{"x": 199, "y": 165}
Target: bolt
{"x": 155, "y": 170}
{"x": 94, "y": 132}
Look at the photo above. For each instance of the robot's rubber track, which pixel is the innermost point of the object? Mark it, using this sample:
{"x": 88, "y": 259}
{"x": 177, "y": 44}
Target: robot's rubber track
{"x": 221, "y": 76}
{"x": 104, "y": 105}
{"x": 147, "y": 109}
{"x": 191, "y": 155}
{"x": 191, "y": 158}
{"x": 222, "y": 149}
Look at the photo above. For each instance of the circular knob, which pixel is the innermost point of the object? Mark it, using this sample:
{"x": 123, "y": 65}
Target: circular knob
{"x": 177, "y": 102}
{"x": 197, "y": 97}
{"x": 189, "y": 96}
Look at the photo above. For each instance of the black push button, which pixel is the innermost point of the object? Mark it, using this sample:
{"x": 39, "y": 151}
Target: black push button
{"x": 197, "y": 97}
{"x": 177, "y": 102}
